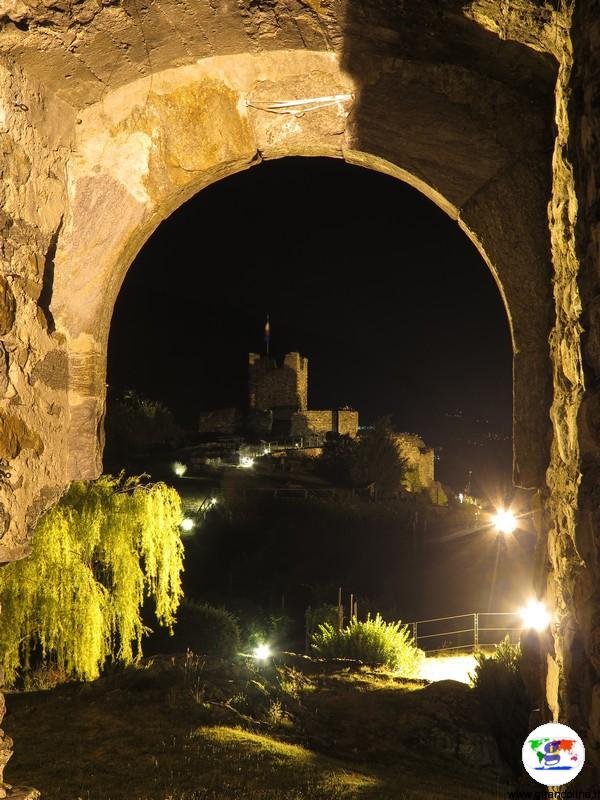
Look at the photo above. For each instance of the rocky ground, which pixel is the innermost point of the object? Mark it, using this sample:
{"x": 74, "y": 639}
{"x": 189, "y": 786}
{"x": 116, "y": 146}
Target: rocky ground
{"x": 194, "y": 728}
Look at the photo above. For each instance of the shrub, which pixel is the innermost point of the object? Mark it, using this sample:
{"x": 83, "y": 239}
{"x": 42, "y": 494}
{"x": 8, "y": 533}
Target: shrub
{"x": 136, "y": 423}
{"x": 321, "y": 615}
{"x": 203, "y": 629}
{"x": 375, "y": 642}
{"x": 503, "y": 697}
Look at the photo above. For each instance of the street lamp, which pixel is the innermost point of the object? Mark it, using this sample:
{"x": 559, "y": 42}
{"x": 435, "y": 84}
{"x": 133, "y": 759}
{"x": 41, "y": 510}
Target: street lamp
{"x": 535, "y": 616}
{"x": 504, "y": 521}
{"x": 187, "y": 524}
{"x": 262, "y": 652}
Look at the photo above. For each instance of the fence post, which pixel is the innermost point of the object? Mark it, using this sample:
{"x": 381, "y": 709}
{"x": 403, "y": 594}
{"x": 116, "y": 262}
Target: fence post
{"x": 476, "y": 631}
{"x": 415, "y": 632}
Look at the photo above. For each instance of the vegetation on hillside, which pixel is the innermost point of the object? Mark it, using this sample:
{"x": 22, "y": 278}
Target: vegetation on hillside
{"x": 201, "y": 628}
{"x": 372, "y": 458}
{"x": 265, "y": 557}
{"x": 499, "y": 685}
{"x": 135, "y": 423}
{"x": 195, "y": 728}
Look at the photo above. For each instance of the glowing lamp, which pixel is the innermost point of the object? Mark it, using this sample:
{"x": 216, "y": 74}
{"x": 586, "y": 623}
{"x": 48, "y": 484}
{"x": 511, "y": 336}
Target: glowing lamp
{"x": 535, "y": 616}
{"x": 504, "y": 521}
{"x": 262, "y": 652}
{"x": 246, "y": 462}
{"x": 179, "y": 469}
{"x": 187, "y": 524}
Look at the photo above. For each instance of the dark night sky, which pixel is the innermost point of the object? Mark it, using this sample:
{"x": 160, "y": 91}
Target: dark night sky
{"x": 381, "y": 290}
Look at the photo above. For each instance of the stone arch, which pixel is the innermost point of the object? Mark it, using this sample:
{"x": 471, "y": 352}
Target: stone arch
{"x": 485, "y": 105}
{"x": 146, "y": 147}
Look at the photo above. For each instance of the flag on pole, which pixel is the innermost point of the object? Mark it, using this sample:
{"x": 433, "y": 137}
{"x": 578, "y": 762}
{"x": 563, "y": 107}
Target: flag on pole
{"x": 267, "y": 334}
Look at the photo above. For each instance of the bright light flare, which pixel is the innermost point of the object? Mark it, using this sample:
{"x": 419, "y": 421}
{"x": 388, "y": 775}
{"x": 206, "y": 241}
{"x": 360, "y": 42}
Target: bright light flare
{"x": 179, "y": 469}
{"x": 246, "y": 462}
{"x": 535, "y": 616}
{"x": 262, "y": 652}
{"x": 504, "y": 521}
{"x": 187, "y": 524}
{"x": 444, "y": 667}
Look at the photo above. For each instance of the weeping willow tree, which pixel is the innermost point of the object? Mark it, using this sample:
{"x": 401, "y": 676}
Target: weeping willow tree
{"x": 77, "y": 600}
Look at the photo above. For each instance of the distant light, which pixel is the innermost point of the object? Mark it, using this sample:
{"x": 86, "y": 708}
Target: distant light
{"x": 213, "y": 501}
{"x": 445, "y": 667}
{"x": 262, "y": 652}
{"x": 504, "y": 521}
{"x": 461, "y": 497}
{"x": 187, "y": 524}
{"x": 179, "y": 469}
{"x": 535, "y": 616}
{"x": 246, "y": 462}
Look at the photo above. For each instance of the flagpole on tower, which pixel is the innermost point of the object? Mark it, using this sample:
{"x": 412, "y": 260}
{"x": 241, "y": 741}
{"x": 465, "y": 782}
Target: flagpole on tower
{"x": 267, "y": 334}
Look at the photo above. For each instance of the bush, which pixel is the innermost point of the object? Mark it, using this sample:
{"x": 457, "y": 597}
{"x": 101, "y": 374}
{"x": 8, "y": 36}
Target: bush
{"x": 375, "y": 642}
{"x": 503, "y": 697}
{"x": 321, "y": 615}
{"x": 204, "y": 630}
{"x": 136, "y": 423}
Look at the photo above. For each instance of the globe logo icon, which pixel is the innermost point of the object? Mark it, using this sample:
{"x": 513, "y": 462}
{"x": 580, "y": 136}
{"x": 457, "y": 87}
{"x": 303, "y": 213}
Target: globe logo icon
{"x": 553, "y": 754}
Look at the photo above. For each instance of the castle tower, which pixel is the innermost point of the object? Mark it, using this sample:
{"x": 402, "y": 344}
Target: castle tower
{"x": 278, "y": 388}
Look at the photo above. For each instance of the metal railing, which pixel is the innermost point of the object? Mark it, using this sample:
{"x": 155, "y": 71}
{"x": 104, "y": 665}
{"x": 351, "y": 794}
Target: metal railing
{"x": 452, "y": 633}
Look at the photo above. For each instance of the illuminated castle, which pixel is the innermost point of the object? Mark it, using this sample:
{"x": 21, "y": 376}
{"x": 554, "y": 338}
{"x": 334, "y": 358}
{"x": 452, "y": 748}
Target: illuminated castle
{"x": 278, "y": 404}
{"x": 282, "y": 392}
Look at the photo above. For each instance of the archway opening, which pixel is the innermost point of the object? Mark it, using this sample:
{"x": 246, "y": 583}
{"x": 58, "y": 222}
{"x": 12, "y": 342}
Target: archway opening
{"x": 397, "y": 314}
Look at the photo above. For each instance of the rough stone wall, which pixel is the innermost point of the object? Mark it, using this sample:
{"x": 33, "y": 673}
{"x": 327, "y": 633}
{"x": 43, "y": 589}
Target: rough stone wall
{"x": 570, "y": 559}
{"x": 271, "y": 386}
{"x": 303, "y": 423}
{"x": 33, "y": 364}
{"x": 419, "y": 460}
{"x": 343, "y": 422}
{"x": 33, "y": 359}
{"x": 582, "y": 666}
{"x": 299, "y": 365}
{"x": 347, "y": 422}
{"x": 568, "y": 566}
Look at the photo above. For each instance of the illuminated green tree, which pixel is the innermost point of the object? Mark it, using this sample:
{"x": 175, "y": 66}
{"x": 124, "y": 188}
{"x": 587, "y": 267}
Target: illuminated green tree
{"x": 76, "y": 601}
